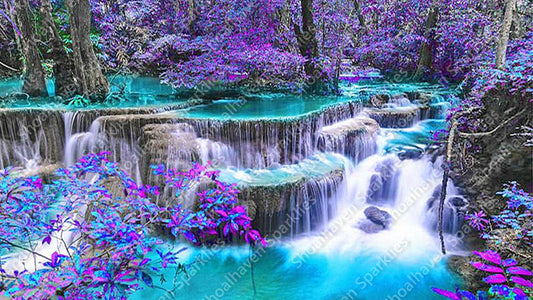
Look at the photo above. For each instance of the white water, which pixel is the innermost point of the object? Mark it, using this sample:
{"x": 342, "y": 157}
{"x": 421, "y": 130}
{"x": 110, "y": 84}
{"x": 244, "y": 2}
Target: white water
{"x": 404, "y": 192}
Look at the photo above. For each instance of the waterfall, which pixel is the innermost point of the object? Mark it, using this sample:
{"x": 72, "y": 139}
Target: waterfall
{"x": 291, "y": 199}
{"x": 322, "y": 158}
{"x": 405, "y": 190}
{"x": 29, "y": 138}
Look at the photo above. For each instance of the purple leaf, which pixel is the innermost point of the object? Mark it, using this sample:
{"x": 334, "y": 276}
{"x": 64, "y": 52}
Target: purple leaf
{"x": 468, "y": 295}
{"x": 519, "y": 271}
{"x": 522, "y": 281}
{"x": 447, "y": 294}
{"x": 47, "y": 240}
{"x": 509, "y": 262}
{"x": 519, "y": 292}
{"x": 493, "y": 279}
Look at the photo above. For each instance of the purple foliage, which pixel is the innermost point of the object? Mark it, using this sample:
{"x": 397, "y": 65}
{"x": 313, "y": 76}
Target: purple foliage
{"x": 113, "y": 250}
{"x": 507, "y": 280}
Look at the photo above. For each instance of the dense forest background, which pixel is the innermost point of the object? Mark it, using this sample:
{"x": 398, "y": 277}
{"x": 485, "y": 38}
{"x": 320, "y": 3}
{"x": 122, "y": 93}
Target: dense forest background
{"x": 483, "y": 47}
{"x": 480, "y": 49}
{"x": 266, "y": 43}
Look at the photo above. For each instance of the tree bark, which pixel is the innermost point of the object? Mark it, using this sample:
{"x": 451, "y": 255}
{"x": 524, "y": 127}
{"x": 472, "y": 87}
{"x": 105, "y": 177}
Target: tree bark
{"x": 193, "y": 17}
{"x": 87, "y": 68}
{"x": 308, "y": 46}
{"x": 425, "y": 61}
{"x": 501, "y": 48}
{"x": 34, "y": 83}
{"x": 360, "y": 17}
{"x": 66, "y": 84}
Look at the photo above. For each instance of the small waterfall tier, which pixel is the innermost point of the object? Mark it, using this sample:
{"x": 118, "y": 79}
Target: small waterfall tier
{"x": 298, "y": 160}
{"x": 354, "y": 138}
{"x": 291, "y": 199}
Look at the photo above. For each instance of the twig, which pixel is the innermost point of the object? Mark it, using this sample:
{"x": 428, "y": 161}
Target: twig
{"x": 483, "y": 134}
{"x": 8, "y": 67}
{"x": 23, "y": 248}
{"x": 252, "y": 270}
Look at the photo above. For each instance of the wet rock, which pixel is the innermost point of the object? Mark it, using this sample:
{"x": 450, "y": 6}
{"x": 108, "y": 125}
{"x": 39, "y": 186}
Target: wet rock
{"x": 410, "y": 153}
{"x": 435, "y": 196}
{"x": 354, "y": 138}
{"x": 378, "y": 216}
{"x": 379, "y": 100}
{"x": 458, "y": 201}
{"x": 383, "y": 184}
{"x": 354, "y": 125}
{"x": 412, "y": 95}
{"x": 424, "y": 98}
{"x": 395, "y": 118}
{"x": 370, "y": 227}
{"x": 45, "y": 172}
{"x": 292, "y": 207}
{"x": 174, "y": 145}
{"x": 400, "y": 100}
{"x": 460, "y": 265}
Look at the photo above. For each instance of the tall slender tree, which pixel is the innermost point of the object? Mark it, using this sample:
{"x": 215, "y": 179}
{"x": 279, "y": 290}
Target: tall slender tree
{"x": 66, "y": 84}
{"x": 87, "y": 68}
{"x": 425, "y": 60}
{"x": 34, "y": 83}
{"x": 501, "y": 48}
{"x": 308, "y": 44}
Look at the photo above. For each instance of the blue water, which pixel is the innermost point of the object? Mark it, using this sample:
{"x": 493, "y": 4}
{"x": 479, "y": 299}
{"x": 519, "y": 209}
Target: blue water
{"x": 280, "y": 107}
{"x": 284, "y": 273}
{"x": 349, "y": 265}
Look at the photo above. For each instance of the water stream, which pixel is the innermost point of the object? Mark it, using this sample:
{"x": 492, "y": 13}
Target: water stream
{"x": 308, "y": 169}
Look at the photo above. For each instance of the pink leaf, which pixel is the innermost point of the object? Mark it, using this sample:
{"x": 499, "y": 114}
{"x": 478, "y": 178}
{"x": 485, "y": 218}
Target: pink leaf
{"x": 486, "y": 268}
{"x": 497, "y": 278}
{"x": 522, "y": 281}
{"x": 448, "y": 294}
{"x": 490, "y": 256}
{"x": 519, "y": 271}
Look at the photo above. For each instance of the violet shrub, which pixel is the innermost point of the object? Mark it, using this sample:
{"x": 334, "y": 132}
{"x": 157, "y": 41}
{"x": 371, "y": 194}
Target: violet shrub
{"x": 106, "y": 246}
{"x": 509, "y": 232}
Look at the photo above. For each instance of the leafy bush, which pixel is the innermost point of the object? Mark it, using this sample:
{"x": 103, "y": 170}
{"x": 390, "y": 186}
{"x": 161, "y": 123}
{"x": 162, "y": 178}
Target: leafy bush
{"x": 103, "y": 240}
{"x": 510, "y": 231}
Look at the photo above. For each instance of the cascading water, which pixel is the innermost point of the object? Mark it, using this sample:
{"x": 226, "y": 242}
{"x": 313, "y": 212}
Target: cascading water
{"x": 337, "y": 259}
{"x": 309, "y": 171}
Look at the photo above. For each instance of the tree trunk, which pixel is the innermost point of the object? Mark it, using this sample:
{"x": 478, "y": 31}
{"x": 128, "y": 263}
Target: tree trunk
{"x": 87, "y": 68}
{"x": 308, "y": 44}
{"x": 193, "y": 17}
{"x": 357, "y": 8}
{"x": 66, "y": 84}
{"x": 501, "y": 48}
{"x": 34, "y": 83}
{"x": 425, "y": 61}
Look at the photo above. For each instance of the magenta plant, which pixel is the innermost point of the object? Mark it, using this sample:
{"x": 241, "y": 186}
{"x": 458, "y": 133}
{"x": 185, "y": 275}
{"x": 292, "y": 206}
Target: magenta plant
{"x": 507, "y": 280}
{"x": 508, "y": 229}
{"x": 104, "y": 239}
{"x": 516, "y": 218}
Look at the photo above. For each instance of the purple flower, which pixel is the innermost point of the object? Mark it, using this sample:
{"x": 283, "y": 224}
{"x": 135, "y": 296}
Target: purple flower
{"x": 477, "y": 220}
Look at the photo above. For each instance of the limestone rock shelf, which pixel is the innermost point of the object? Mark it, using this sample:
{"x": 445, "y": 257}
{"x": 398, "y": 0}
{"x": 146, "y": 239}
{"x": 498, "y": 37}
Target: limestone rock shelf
{"x": 299, "y": 197}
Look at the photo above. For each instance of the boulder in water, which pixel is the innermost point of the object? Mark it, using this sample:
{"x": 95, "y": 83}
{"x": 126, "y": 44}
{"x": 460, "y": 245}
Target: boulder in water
{"x": 410, "y": 153}
{"x": 379, "y": 99}
{"x": 458, "y": 201}
{"x": 400, "y": 100}
{"x": 370, "y": 227}
{"x": 424, "y": 98}
{"x": 401, "y": 117}
{"x": 378, "y": 216}
{"x": 351, "y": 126}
